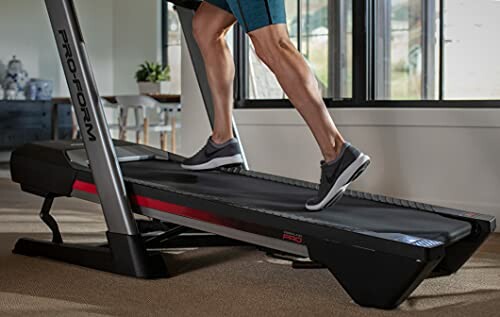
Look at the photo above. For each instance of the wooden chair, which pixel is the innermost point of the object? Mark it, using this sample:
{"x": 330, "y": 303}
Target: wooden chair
{"x": 144, "y": 108}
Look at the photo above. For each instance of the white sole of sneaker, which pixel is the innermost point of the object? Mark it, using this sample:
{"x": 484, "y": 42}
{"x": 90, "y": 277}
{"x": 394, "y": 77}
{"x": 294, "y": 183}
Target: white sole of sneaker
{"x": 215, "y": 163}
{"x": 344, "y": 180}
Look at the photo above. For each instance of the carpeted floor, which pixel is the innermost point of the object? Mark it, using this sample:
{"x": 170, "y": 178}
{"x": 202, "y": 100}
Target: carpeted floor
{"x": 207, "y": 282}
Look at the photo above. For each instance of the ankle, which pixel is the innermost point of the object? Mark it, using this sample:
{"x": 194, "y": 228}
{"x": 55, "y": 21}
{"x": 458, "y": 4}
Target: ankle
{"x": 220, "y": 139}
{"x": 335, "y": 151}
{"x": 339, "y": 145}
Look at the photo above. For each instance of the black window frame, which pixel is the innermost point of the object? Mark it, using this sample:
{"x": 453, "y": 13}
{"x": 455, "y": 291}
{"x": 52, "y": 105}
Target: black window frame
{"x": 164, "y": 33}
{"x": 165, "y": 44}
{"x": 363, "y": 77}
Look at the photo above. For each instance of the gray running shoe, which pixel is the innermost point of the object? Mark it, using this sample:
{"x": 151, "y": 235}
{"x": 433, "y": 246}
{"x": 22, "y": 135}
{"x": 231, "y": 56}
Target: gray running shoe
{"x": 337, "y": 175}
{"x": 213, "y": 156}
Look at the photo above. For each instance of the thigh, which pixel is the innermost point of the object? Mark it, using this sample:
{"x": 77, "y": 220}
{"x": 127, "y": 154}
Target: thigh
{"x": 213, "y": 17}
{"x": 256, "y": 14}
{"x": 221, "y": 4}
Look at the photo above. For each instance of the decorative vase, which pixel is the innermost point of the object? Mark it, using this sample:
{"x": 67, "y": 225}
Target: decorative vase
{"x": 15, "y": 79}
{"x": 39, "y": 89}
{"x": 149, "y": 88}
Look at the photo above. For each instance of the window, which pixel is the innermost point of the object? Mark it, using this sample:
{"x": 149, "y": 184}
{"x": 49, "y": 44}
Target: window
{"x": 414, "y": 39}
{"x": 322, "y": 32}
{"x": 410, "y": 53}
{"x": 405, "y": 39}
{"x": 171, "y": 48}
{"x": 471, "y": 49}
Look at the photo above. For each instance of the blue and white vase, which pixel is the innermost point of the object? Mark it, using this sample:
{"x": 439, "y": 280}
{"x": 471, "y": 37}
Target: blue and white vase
{"x": 39, "y": 89}
{"x": 16, "y": 79}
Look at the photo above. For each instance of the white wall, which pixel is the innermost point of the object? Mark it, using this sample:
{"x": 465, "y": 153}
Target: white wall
{"x": 137, "y": 37}
{"x": 25, "y": 32}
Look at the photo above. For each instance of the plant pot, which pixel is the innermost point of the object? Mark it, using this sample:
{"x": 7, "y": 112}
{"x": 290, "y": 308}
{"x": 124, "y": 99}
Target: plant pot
{"x": 148, "y": 88}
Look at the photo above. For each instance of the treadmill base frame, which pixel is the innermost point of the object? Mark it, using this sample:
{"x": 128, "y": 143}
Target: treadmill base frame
{"x": 126, "y": 255}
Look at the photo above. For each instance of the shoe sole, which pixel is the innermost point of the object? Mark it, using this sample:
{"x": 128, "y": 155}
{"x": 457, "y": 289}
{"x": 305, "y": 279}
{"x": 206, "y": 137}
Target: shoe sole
{"x": 345, "y": 179}
{"x": 215, "y": 163}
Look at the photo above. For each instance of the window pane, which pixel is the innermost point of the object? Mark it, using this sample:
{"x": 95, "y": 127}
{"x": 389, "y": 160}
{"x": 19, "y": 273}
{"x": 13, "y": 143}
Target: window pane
{"x": 314, "y": 40}
{"x": 330, "y": 58}
{"x": 472, "y": 48}
{"x": 262, "y": 83}
{"x": 173, "y": 48}
{"x": 346, "y": 56}
{"x": 405, "y": 48}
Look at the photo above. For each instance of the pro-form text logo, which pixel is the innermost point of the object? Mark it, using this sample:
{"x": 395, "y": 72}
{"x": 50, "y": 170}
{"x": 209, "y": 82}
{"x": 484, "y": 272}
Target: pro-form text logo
{"x": 293, "y": 237}
{"x": 77, "y": 83}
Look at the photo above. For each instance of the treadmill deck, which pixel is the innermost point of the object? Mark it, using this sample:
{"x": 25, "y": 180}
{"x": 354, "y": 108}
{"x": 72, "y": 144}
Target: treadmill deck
{"x": 287, "y": 201}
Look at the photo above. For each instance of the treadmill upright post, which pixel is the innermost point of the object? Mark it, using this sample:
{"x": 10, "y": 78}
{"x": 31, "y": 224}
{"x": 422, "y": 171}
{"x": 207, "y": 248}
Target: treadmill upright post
{"x": 95, "y": 133}
{"x": 126, "y": 253}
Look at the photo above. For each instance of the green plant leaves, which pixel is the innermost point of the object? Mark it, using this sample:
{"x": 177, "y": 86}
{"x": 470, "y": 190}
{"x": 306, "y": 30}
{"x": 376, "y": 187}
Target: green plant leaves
{"x": 152, "y": 72}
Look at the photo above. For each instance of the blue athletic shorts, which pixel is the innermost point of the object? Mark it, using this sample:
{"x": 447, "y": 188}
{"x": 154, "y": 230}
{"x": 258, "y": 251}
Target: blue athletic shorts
{"x": 254, "y": 14}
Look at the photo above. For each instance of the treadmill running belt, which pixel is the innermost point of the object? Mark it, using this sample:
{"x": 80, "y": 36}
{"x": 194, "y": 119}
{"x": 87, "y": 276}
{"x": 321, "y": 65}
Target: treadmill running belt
{"x": 288, "y": 201}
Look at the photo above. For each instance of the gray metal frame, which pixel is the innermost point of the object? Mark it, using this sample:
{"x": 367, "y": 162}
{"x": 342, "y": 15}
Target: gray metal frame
{"x": 382, "y": 49}
{"x": 90, "y": 114}
{"x": 429, "y": 49}
{"x": 337, "y": 72}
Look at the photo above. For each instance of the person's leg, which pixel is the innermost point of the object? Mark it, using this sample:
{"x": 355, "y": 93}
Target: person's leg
{"x": 265, "y": 22}
{"x": 273, "y": 46}
{"x": 210, "y": 26}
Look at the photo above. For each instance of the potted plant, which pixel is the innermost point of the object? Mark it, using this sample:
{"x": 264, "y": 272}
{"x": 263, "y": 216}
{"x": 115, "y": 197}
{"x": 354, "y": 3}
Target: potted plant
{"x": 153, "y": 78}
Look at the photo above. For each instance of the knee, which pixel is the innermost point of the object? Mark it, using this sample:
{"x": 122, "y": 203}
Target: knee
{"x": 272, "y": 51}
{"x": 198, "y": 25}
{"x": 204, "y": 34}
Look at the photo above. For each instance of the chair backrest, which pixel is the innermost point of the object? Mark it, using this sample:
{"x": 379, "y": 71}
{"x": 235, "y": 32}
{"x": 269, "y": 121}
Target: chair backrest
{"x": 106, "y": 104}
{"x": 137, "y": 100}
{"x": 110, "y": 111}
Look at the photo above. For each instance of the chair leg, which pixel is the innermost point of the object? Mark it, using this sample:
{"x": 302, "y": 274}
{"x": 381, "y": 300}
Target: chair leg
{"x": 173, "y": 135}
{"x": 138, "y": 122}
{"x": 163, "y": 141}
{"x": 146, "y": 131}
{"x": 123, "y": 124}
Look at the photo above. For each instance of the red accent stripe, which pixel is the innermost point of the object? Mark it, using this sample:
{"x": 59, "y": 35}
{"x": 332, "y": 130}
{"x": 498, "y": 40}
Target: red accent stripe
{"x": 85, "y": 187}
{"x": 146, "y": 202}
{"x": 176, "y": 209}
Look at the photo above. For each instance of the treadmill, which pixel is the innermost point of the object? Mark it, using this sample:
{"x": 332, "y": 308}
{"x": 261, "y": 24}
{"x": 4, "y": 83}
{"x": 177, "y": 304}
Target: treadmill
{"x": 378, "y": 248}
